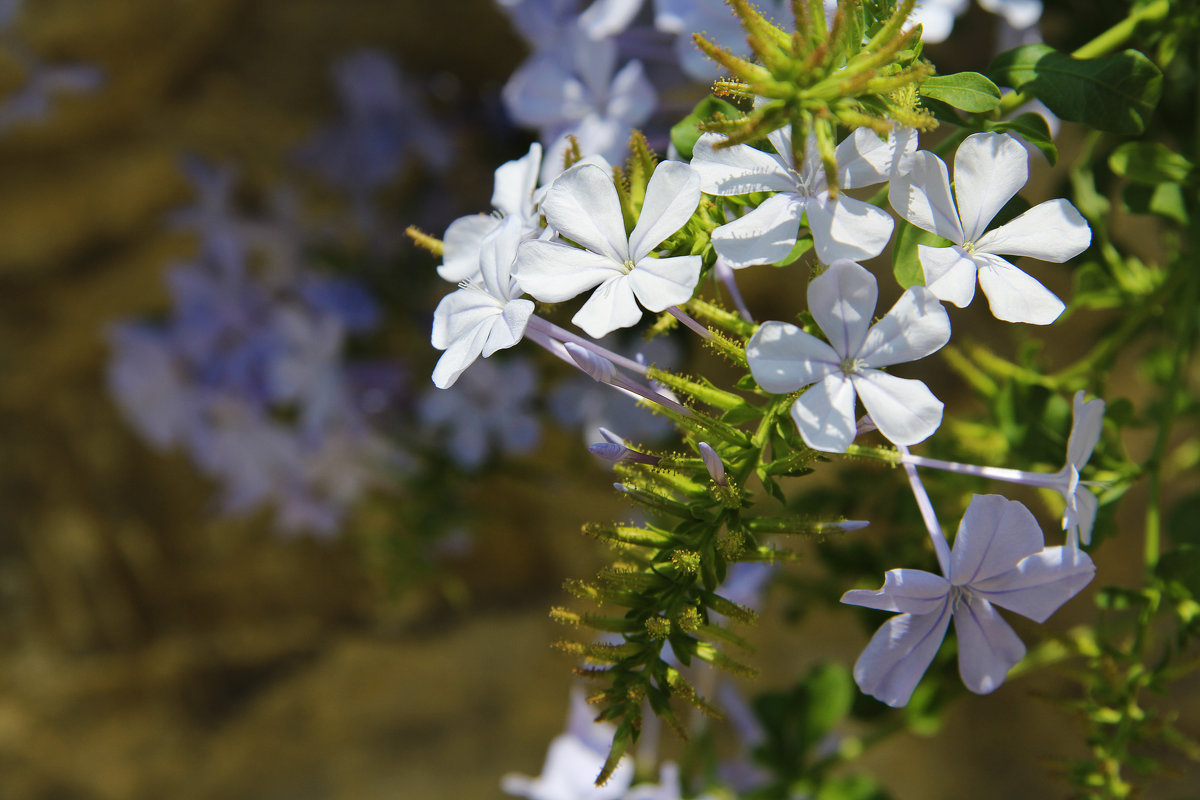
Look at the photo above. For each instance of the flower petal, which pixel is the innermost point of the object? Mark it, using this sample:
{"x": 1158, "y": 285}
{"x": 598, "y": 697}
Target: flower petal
{"x": 903, "y": 409}
{"x": 1015, "y": 296}
{"x": 864, "y": 159}
{"x": 660, "y": 283}
{"x": 993, "y": 536}
{"x": 783, "y": 358}
{"x": 1040, "y": 583}
{"x": 515, "y": 182}
{"x": 631, "y": 97}
{"x": 462, "y": 353}
{"x": 949, "y": 273}
{"x": 897, "y": 656}
{"x": 605, "y": 18}
{"x": 739, "y": 169}
{"x": 672, "y": 196}
{"x": 989, "y": 168}
{"x": 509, "y": 327}
{"x": 847, "y": 228}
{"x": 553, "y": 272}
{"x": 582, "y": 205}
{"x": 610, "y": 307}
{"x": 923, "y": 197}
{"x": 842, "y": 301}
{"x": 497, "y": 256}
{"x": 987, "y": 646}
{"x": 1050, "y": 231}
{"x": 1086, "y": 506}
{"x": 763, "y": 236}
{"x": 824, "y": 414}
{"x": 461, "y": 243}
{"x": 915, "y": 327}
{"x": 909, "y": 591}
{"x": 1087, "y": 420}
{"x": 459, "y": 312}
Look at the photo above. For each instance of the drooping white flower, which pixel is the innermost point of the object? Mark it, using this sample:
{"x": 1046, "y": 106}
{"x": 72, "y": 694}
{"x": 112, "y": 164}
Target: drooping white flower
{"x": 514, "y": 195}
{"x": 989, "y": 169}
{"x": 784, "y": 358}
{"x": 484, "y": 315}
{"x": 999, "y": 559}
{"x": 582, "y": 205}
{"x": 842, "y": 227}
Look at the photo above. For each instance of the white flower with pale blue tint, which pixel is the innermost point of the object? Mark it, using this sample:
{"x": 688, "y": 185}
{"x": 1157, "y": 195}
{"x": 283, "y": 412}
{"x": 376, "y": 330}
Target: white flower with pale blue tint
{"x": 486, "y": 314}
{"x": 999, "y": 559}
{"x": 783, "y": 358}
{"x": 842, "y": 227}
{"x": 583, "y": 206}
{"x": 936, "y": 17}
{"x": 989, "y": 169}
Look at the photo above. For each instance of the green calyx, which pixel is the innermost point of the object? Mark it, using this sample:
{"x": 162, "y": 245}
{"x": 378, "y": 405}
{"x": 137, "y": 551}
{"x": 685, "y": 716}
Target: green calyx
{"x": 861, "y": 71}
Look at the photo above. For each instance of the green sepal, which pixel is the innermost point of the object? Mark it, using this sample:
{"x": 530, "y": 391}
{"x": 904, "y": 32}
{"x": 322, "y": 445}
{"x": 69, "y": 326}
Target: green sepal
{"x": 702, "y": 389}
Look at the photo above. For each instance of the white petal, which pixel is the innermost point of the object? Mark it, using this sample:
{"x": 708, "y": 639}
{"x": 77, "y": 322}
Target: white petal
{"x": 1040, "y": 583}
{"x": 459, "y": 312}
{"x": 989, "y": 168}
{"x": 923, "y": 197}
{"x": 842, "y": 301}
{"x": 824, "y": 414}
{"x": 915, "y": 327}
{"x": 995, "y": 533}
{"x": 1017, "y": 13}
{"x": 509, "y": 327}
{"x": 497, "y": 255}
{"x": 1086, "y": 506}
{"x": 903, "y": 409}
{"x": 987, "y": 646}
{"x": 605, "y": 18}
{"x": 610, "y": 307}
{"x": 554, "y": 272}
{"x": 1051, "y": 231}
{"x": 1013, "y": 295}
{"x": 671, "y": 198}
{"x": 783, "y": 358}
{"x": 542, "y": 92}
{"x": 765, "y": 235}
{"x": 660, "y": 283}
{"x": 897, "y": 656}
{"x": 515, "y": 182}
{"x": 582, "y": 205}
{"x": 631, "y": 97}
{"x": 864, "y": 159}
{"x": 461, "y": 243}
{"x": 949, "y": 273}
{"x": 739, "y": 169}
{"x": 909, "y": 591}
{"x": 1087, "y": 420}
{"x": 848, "y": 228}
{"x": 461, "y": 354}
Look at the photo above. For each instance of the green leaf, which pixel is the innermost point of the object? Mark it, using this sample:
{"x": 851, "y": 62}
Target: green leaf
{"x": 802, "y": 246}
{"x": 1181, "y": 566}
{"x": 906, "y": 262}
{"x": 1150, "y": 163}
{"x": 743, "y": 413}
{"x": 852, "y": 787}
{"x": 1031, "y": 127}
{"x": 685, "y": 132}
{"x": 968, "y": 91}
{"x": 1165, "y": 200}
{"x": 1181, "y": 521}
{"x": 1115, "y": 93}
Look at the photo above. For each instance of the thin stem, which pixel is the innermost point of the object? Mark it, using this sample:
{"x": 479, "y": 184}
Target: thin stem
{"x": 688, "y": 322}
{"x": 726, "y": 275}
{"x": 548, "y": 328}
{"x": 1048, "y": 480}
{"x": 940, "y": 547}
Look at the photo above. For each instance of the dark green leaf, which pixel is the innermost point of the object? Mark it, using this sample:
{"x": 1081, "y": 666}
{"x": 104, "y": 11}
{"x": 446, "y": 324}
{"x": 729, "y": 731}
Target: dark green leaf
{"x": 1181, "y": 566}
{"x": 1165, "y": 200}
{"x": 1115, "y": 93}
{"x": 1183, "y": 521}
{"x": 968, "y": 91}
{"x": 685, "y": 132}
{"x": 1033, "y": 129}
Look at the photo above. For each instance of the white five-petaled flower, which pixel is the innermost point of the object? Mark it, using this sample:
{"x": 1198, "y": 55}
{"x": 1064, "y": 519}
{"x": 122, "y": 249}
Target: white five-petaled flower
{"x": 842, "y": 227}
{"x": 1080, "y": 513}
{"x": 989, "y": 169}
{"x": 784, "y": 358}
{"x": 485, "y": 314}
{"x": 514, "y": 195}
{"x": 582, "y": 205}
{"x": 999, "y": 559}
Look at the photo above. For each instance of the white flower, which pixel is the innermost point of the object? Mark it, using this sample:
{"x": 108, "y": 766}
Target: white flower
{"x": 486, "y": 314}
{"x": 999, "y": 559}
{"x": 1080, "y": 513}
{"x": 514, "y": 194}
{"x": 841, "y": 228}
{"x": 582, "y": 205}
{"x": 784, "y": 358}
{"x": 989, "y": 169}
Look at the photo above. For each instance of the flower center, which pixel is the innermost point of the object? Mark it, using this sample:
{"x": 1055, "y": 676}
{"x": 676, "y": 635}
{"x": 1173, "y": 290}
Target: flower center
{"x": 851, "y": 365}
{"x": 628, "y": 266}
{"x": 969, "y": 247}
{"x": 959, "y": 594}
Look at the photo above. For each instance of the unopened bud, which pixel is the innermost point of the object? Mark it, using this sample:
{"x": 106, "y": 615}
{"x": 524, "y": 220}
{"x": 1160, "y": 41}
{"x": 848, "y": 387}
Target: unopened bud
{"x": 619, "y": 452}
{"x": 594, "y": 366}
{"x": 712, "y": 462}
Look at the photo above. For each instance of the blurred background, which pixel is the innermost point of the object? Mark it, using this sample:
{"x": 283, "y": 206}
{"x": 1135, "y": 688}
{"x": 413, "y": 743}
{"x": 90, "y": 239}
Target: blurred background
{"x": 243, "y": 554}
